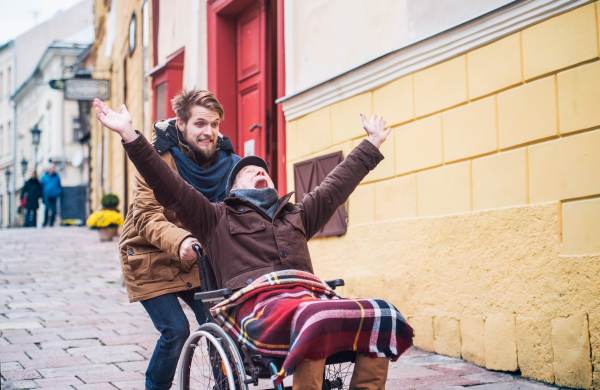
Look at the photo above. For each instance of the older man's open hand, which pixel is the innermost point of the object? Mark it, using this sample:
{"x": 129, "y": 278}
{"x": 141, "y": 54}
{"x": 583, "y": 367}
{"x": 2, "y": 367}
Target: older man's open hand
{"x": 119, "y": 123}
{"x": 375, "y": 129}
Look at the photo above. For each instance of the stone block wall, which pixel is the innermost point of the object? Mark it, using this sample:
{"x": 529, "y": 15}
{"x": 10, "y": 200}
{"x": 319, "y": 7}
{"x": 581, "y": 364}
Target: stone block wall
{"x": 482, "y": 224}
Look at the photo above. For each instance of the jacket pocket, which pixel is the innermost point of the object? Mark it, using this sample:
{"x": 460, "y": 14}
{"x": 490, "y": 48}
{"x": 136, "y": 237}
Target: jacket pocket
{"x": 245, "y": 222}
{"x": 149, "y": 266}
{"x": 295, "y": 219}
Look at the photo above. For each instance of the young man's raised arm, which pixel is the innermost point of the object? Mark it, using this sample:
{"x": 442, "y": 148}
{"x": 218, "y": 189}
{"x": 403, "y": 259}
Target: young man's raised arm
{"x": 195, "y": 212}
{"x": 323, "y": 201}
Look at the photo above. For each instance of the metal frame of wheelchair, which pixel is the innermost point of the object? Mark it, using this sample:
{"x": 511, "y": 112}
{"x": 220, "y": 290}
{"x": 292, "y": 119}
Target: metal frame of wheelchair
{"x": 224, "y": 364}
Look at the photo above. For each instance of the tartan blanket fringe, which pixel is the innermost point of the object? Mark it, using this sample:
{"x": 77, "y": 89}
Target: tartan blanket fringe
{"x": 295, "y": 316}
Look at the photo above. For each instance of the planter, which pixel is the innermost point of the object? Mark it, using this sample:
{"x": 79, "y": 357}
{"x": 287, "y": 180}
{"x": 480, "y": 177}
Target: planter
{"x": 107, "y": 234}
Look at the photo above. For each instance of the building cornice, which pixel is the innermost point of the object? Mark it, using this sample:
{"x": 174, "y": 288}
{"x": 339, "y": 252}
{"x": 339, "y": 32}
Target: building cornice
{"x": 416, "y": 56}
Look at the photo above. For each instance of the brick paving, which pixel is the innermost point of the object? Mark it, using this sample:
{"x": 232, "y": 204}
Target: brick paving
{"x": 66, "y": 323}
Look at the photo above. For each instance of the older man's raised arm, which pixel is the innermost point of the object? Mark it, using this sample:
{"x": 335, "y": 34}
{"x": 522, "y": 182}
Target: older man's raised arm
{"x": 320, "y": 204}
{"x": 195, "y": 212}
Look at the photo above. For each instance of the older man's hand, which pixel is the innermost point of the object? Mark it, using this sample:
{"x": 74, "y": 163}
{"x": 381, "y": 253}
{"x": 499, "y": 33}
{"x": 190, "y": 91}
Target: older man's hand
{"x": 186, "y": 252}
{"x": 119, "y": 123}
{"x": 375, "y": 129}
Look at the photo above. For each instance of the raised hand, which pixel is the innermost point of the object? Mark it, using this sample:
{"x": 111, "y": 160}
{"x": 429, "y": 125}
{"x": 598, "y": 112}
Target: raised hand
{"x": 375, "y": 129}
{"x": 119, "y": 123}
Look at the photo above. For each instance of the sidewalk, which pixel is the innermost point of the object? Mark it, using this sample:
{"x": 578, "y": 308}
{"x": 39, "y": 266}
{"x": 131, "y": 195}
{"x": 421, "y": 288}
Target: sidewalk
{"x": 65, "y": 323}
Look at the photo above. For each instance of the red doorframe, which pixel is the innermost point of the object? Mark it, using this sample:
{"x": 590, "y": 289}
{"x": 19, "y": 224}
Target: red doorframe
{"x": 171, "y": 74}
{"x": 222, "y": 77}
{"x": 281, "y": 142}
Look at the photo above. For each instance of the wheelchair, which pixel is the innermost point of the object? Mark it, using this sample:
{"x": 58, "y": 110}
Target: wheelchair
{"x": 212, "y": 360}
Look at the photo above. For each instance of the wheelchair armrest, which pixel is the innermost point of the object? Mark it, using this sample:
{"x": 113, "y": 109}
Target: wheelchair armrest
{"x": 335, "y": 283}
{"x": 214, "y": 295}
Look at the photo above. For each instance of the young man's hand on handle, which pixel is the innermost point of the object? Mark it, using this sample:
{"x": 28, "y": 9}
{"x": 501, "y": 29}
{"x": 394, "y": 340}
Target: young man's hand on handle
{"x": 375, "y": 129}
{"x": 186, "y": 252}
{"x": 119, "y": 123}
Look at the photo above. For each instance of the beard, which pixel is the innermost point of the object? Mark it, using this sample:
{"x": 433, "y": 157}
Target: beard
{"x": 205, "y": 153}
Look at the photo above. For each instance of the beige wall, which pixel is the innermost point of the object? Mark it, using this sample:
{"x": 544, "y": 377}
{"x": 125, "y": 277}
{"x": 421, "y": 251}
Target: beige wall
{"x": 363, "y": 31}
{"x": 183, "y": 24}
{"x": 482, "y": 223}
{"x": 107, "y": 154}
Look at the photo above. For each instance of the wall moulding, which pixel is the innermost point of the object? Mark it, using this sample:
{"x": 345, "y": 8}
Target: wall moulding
{"x": 414, "y": 57}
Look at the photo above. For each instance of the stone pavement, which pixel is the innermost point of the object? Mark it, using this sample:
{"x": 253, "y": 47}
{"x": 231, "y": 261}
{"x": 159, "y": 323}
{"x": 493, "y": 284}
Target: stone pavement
{"x": 66, "y": 323}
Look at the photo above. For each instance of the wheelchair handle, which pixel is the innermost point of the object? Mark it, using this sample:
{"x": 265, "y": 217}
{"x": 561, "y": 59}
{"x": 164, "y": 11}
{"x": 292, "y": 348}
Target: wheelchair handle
{"x": 199, "y": 255}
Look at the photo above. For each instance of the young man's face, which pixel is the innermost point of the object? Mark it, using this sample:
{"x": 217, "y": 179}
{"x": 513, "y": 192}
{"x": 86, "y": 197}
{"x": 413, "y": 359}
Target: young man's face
{"x": 252, "y": 177}
{"x": 202, "y": 130}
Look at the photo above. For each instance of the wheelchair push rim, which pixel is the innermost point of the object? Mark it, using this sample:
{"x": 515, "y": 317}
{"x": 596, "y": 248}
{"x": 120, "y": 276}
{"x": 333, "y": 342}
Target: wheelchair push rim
{"x": 207, "y": 359}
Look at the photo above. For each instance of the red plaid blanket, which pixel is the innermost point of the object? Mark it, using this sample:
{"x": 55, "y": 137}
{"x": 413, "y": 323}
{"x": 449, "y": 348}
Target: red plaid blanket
{"x": 295, "y": 313}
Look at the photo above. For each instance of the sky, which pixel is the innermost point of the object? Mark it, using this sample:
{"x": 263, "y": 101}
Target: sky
{"x": 19, "y": 16}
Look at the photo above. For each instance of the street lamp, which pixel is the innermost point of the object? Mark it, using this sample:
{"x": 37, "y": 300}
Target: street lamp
{"x": 35, "y": 140}
{"x": 8, "y": 173}
{"x": 24, "y": 166}
{"x": 35, "y": 135}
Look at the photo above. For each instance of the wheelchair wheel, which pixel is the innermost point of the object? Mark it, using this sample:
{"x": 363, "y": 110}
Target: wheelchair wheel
{"x": 210, "y": 361}
{"x": 338, "y": 376}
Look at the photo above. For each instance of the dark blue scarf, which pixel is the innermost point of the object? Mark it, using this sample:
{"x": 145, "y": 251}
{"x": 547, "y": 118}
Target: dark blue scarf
{"x": 210, "y": 182}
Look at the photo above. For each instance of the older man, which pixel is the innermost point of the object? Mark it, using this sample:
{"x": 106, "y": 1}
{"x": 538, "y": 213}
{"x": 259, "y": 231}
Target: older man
{"x": 254, "y": 233}
{"x": 158, "y": 263}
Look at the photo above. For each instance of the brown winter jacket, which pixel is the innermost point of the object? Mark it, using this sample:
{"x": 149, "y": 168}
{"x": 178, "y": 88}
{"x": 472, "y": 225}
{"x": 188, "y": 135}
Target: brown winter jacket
{"x": 149, "y": 246}
{"x": 242, "y": 241}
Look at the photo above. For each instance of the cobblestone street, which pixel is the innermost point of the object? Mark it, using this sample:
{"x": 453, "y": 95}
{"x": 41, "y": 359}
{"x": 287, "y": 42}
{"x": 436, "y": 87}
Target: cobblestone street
{"x": 66, "y": 323}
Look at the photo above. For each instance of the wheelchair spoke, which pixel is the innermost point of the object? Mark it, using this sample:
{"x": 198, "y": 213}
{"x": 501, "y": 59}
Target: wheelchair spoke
{"x": 338, "y": 376}
{"x": 205, "y": 368}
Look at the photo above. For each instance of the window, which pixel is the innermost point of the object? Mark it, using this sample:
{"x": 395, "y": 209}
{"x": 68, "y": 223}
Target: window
{"x": 307, "y": 176}
{"x": 159, "y": 101}
{"x": 77, "y": 130}
{"x": 8, "y": 81}
{"x": 132, "y": 34}
{"x": 2, "y": 141}
{"x": 1, "y": 85}
{"x": 167, "y": 80}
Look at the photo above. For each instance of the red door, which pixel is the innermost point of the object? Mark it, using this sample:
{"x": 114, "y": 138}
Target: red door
{"x": 253, "y": 89}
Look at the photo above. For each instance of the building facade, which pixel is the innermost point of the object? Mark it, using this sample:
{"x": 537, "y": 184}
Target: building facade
{"x": 7, "y": 82}
{"x": 37, "y": 105}
{"x": 482, "y": 224}
{"x": 21, "y": 63}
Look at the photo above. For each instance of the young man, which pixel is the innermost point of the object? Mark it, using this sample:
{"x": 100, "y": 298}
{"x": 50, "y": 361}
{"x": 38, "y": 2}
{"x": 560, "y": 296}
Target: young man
{"x": 254, "y": 237}
{"x": 156, "y": 253}
{"x": 52, "y": 190}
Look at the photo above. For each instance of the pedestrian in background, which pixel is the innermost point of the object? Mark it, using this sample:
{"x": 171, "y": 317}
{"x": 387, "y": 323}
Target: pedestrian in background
{"x": 31, "y": 194}
{"x": 52, "y": 190}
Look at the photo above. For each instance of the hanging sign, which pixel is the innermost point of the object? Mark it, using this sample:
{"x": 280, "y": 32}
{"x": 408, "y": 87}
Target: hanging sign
{"x": 87, "y": 89}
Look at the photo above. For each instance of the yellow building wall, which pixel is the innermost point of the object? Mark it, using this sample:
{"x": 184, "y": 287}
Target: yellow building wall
{"x": 108, "y": 166}
{"x": 482, "y": 224}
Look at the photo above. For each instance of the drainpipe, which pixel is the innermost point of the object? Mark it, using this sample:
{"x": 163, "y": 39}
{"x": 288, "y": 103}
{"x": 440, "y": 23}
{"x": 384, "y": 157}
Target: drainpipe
{"x": 63, "y": 162}
{"x": 11, "y": 195}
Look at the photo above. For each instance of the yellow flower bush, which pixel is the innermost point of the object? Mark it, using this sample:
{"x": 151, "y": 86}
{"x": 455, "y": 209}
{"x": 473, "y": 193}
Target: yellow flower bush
{"x": 104, "y": 219}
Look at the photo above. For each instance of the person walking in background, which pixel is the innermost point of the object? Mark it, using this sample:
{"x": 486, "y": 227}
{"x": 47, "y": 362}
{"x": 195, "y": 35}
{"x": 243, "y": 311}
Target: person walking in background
{"x": 52, "y": 190}
{"x": 32, "y": 192}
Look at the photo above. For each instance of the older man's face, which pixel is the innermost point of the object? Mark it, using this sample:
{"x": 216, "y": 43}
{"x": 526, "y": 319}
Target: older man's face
{"x": 252, "y": 177}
